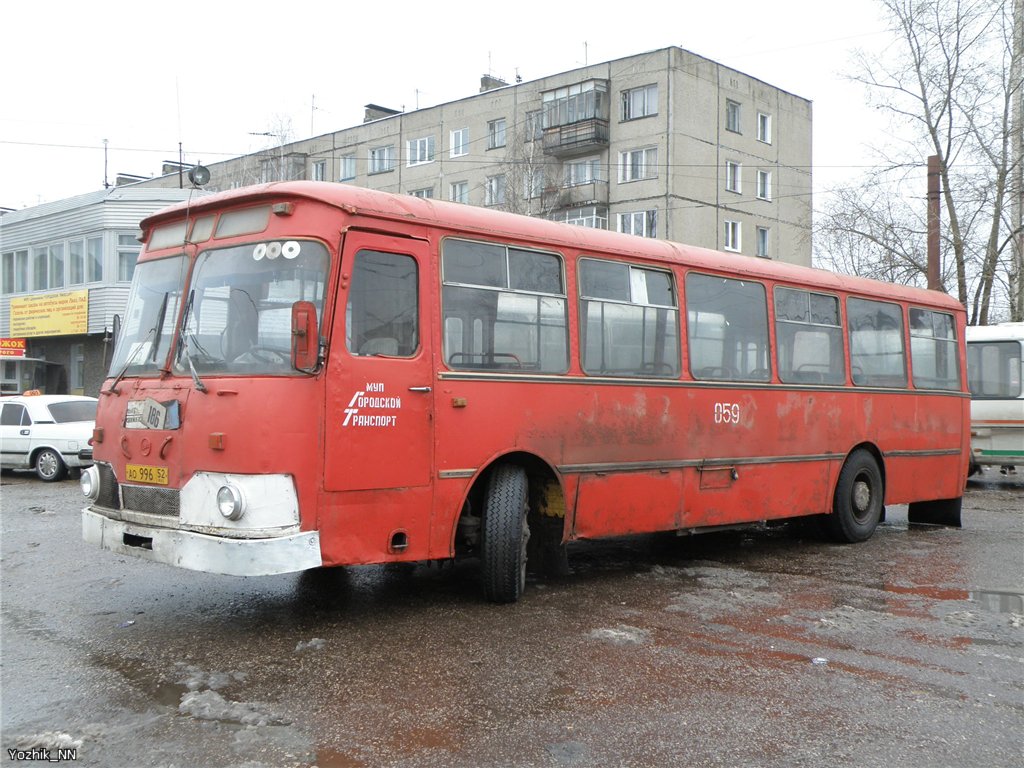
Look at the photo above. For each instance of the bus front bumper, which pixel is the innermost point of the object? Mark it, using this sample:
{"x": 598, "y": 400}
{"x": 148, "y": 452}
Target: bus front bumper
{"x": 200, "y": 552}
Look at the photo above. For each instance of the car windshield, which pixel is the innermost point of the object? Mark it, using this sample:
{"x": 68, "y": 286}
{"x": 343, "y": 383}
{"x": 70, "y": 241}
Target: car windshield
{"x": 146, "y": 335}
{"x": 238, "y": 311}
{"x": 73, "y": 410}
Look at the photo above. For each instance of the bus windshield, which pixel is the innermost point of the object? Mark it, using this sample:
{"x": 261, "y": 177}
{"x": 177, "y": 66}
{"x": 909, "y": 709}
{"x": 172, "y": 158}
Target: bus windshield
{"x": 146, "y": 336}
{"x": 237, "y": 315}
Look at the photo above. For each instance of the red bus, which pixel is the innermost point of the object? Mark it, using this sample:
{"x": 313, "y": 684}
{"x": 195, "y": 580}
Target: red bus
{"x": 314, "y": 374}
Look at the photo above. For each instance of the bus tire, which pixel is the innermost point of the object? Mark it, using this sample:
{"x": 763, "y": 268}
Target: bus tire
{"x": 505, "y": 534}
{"x": 857, "y": 505}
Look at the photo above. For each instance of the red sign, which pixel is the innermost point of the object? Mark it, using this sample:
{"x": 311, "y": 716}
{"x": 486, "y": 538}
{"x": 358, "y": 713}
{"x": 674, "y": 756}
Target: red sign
{"x": 12, "y": 347}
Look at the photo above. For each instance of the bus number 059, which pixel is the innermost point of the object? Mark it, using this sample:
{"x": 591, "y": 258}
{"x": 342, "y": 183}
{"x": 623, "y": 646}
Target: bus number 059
{"x": 727, "y": 413}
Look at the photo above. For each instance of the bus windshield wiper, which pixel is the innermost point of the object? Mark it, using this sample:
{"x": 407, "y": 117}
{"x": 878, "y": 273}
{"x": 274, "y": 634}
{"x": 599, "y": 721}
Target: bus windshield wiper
{"x": 184, "y": 343}
{"x": 128, "y": 362}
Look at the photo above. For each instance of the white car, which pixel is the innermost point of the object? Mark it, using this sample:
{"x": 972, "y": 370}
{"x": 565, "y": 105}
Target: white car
{"x": 47, "y": 433}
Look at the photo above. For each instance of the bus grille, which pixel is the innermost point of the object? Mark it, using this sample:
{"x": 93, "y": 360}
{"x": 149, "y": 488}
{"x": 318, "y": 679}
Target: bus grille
{"x": 155, "y": 501}
{"x": 108, "y": 496}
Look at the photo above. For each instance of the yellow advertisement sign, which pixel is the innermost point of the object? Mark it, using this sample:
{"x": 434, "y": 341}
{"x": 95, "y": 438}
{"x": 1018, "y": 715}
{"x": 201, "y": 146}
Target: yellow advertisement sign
{"x": 51, "y": 314}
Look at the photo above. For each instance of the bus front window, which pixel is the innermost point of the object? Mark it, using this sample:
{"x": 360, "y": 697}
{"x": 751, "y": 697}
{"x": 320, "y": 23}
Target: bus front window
{"x": 237, "y": 316}
{"x": 149, "y": 320}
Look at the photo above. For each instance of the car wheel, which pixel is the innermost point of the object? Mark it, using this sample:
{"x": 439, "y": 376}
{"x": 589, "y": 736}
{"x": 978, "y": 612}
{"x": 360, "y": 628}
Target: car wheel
{"x": 49, "y": 465}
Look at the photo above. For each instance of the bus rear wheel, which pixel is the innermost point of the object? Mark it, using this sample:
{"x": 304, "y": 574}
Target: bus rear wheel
{"x": 857, "y": 503}
{"x": 505, "y": 534}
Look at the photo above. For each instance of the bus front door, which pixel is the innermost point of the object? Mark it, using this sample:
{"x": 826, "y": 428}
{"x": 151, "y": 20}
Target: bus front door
{"x": 378, "y": 442}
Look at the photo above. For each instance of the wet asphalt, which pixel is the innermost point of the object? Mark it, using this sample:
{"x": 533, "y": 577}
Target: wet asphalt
{"x": 764, "y": 648}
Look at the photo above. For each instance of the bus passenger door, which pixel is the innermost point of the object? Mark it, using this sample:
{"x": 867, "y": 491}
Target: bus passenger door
{"x": 379, "y": 398}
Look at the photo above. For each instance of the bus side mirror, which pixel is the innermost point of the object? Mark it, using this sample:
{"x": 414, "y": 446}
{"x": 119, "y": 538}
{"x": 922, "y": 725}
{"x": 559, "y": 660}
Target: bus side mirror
{"x": 305, "y": 336}
{"x": 116, "y": 330}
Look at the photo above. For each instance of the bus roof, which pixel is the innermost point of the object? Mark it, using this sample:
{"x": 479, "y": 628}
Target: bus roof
{"x": 475, "y": 220}
{"x": 999, "y": 332}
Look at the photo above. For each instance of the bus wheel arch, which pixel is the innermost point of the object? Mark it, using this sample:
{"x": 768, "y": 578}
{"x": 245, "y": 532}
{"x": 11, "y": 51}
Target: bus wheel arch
{"x": 517, "y": 499}
{"x": 858, "y": 500}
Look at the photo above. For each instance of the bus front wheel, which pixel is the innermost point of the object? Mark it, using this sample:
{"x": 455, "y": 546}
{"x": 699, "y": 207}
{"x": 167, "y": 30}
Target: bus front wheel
{"x": 505, "y": 534}
{"x": 857, "y": 504}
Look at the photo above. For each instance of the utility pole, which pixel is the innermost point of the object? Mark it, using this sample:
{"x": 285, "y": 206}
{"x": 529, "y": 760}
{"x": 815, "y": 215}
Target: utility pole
{"x": 934, "y": 280}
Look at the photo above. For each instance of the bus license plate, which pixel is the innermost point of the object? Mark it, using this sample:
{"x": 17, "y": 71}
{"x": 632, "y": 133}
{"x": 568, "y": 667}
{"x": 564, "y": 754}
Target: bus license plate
{"x": 140, "y": 473}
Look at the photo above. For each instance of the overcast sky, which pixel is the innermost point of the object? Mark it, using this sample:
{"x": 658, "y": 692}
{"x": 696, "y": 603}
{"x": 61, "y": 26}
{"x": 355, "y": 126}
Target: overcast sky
{"x": 146, "y": 76}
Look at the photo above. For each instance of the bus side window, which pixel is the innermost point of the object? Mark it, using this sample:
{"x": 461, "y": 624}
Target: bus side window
{"x": 382, "y": 314}
{"x": 727, "y": 329}
{"x": 504, "y": 308}
{"x": 933, "y": 350}
{"x": 877, "y": 356}
{"x": 629, "y": 322}
{"x": 809, "y": 337}
{"x": 993, "y": 368}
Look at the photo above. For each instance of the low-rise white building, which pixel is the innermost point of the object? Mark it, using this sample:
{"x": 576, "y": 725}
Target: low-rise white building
{"x": 65, "y": 270}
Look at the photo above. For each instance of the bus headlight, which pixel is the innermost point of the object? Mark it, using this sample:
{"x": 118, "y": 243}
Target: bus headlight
{"x": 230, "y": 502}
{"x": 90, "y": 483}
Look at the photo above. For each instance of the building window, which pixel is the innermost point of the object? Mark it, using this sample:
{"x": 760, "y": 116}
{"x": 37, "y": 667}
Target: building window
{"x": 534, "y": 183}
{"x": 7, "y": 285}
{"x": 93, "y": 259}
{"x": 642, "y": 223}
{"x": 77, "y": 369}
{"x": 733, "y": 236}
{"x": 762, "y": 242}
{"x": 9, "y": 378}
{"x": 584, "y": 171}
{"x": 56, "y": 265}
{"x": 320, "y": 170}
{"x": 496, "y": 133}
{"x": 127, "y": 256}
{"x": 348, "y": 167}
{"x": 732, "y": 176}
{"x": 494, "y": 191}
{"x": 764, "y": 185}
{"x": 535, "y": 125}
{"x": 459, "y": 192}
{"x": 426, "y": 193}
{"x": 640, "y": 102}
{"x": 420, "y": 151}
{"x": 39, "y": 264}
{"x": 764, "y": 127}
{"x": 76, "y": 262}
{"x": 20, "y": 271}
{"x": 460, "y": 142}
{"x": 592, "y": 216}
{"x": 638, "y": 164}
{"x": 382, "y": 159}
{"x": 268, "y": 171}
{"x": 732, "y": 116}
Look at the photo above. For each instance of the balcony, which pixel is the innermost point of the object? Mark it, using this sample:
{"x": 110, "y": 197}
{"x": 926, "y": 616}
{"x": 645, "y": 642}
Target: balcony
{"x": 592, "y": 193}
{"x": 577, "y": 138}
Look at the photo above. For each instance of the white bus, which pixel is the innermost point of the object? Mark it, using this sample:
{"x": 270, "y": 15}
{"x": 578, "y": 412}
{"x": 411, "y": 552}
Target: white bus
{"x": 995, "y": 372}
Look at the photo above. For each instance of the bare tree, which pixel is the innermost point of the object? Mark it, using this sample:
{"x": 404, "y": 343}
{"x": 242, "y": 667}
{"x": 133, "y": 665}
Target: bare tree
{"x": 948, "y": 84}
{"x": 531, "y": 177}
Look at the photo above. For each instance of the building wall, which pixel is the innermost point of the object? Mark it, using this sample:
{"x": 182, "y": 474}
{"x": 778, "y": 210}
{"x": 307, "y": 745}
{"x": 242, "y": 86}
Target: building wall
{"x": 108, "y": 217}
{"x": 689, "y": 130}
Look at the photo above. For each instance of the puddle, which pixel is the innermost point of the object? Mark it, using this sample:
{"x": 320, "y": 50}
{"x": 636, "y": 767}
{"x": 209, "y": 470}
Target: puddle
{"x": 998, "y": 601}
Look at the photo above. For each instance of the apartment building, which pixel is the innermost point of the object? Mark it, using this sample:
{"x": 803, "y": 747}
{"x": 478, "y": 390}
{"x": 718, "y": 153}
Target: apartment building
{"x": 65, "y": 271}
{"x": 662, "y": 144}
